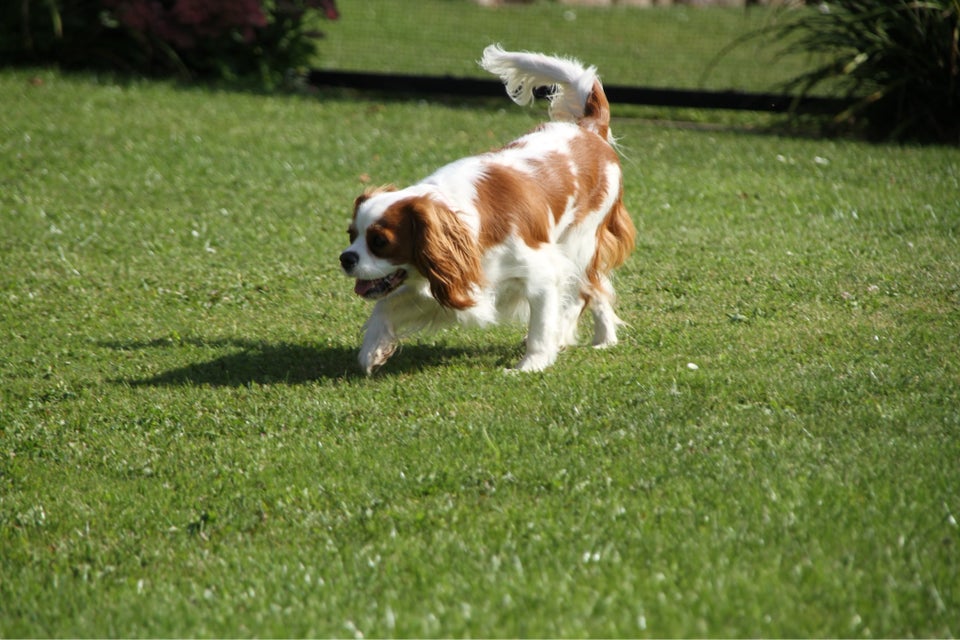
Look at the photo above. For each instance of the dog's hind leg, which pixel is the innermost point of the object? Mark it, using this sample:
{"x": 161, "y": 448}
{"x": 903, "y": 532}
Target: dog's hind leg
{"x": 575, "y": 301}
{"x": 605, "y": 320}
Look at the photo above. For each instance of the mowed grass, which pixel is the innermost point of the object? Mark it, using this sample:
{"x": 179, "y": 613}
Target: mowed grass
{"x": 676, "y": 47}
{"x": 187, "y": 448}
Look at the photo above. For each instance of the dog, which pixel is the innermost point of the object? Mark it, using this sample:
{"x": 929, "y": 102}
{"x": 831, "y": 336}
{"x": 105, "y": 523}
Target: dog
{"x": 531, "y": 231}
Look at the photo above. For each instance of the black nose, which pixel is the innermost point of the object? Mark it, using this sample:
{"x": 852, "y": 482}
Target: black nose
{"x": 348, "y": 260}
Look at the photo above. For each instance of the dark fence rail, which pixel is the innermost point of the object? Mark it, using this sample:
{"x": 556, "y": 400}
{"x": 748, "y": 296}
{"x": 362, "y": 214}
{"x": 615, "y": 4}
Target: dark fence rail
{"x": 617, "y": 94}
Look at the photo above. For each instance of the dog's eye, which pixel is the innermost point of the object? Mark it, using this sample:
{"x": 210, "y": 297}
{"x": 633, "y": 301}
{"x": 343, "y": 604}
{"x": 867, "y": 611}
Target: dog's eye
{"x": 352, "y": 232}
{"x": 377, "y": 242}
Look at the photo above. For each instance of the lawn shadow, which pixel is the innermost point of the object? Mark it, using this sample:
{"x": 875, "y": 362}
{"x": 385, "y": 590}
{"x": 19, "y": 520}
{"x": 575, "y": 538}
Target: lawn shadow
{"x": 262, "y": 362}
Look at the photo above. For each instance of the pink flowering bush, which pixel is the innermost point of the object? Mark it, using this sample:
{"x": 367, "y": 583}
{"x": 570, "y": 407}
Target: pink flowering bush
{"x": 225, "y": 38}
{"x": 188, "y": 23}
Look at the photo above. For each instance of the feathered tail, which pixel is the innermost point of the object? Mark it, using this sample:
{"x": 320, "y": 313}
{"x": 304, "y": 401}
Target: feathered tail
{"x": 577, "y": 95}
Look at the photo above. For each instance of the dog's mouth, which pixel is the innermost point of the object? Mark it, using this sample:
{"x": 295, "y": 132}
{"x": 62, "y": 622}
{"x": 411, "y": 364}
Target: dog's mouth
{"x": 373, "y": 289}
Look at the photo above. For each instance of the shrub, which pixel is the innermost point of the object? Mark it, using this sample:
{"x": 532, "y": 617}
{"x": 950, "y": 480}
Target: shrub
{"x": 896, "y": 61}
{"x": 224, "y": 38}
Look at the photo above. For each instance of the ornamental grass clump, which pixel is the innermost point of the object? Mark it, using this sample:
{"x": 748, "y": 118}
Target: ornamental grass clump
{"x": 897, "y": 62}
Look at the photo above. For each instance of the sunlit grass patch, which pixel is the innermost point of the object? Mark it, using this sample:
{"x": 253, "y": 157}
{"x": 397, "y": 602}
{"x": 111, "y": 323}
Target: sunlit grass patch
{"x": 187, "y": 447}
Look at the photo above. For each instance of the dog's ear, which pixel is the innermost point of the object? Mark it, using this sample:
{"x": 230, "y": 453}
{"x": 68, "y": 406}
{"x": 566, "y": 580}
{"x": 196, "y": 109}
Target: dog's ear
{"x": 368, "y": 193}
{"x": 445, "y": 252}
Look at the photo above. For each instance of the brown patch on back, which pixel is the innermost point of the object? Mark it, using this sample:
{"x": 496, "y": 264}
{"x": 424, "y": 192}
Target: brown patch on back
{"x": 511, "y": 202}
{"x": 591, "y": 155}
{"x": 522, "y": 202}
{"x": 555, "y": 177}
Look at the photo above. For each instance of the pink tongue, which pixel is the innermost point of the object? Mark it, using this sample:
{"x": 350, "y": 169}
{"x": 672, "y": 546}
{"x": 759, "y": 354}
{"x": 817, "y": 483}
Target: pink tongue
{"x": 364, "y": 286}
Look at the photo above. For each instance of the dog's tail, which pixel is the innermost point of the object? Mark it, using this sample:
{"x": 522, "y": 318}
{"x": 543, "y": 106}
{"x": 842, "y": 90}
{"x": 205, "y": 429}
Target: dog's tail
{"x": 577, "y": 95}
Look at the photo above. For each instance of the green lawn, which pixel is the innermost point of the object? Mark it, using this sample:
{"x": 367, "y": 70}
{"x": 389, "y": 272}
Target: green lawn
{"x": 187, "y": 448}
{"x": 673, "y": 47}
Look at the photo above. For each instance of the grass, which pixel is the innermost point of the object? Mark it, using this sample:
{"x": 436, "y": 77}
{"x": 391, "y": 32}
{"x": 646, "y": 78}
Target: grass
{"x": 661, "y": 47}
{"x": 187, "y": 449}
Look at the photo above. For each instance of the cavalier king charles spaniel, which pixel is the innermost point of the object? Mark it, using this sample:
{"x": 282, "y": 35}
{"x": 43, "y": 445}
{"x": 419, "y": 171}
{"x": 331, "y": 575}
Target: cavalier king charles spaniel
{"x": 530, "y": 231}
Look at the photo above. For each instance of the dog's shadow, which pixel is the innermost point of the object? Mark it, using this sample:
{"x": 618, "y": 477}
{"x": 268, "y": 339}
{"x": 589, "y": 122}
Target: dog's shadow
{"x": 259, "y": 362}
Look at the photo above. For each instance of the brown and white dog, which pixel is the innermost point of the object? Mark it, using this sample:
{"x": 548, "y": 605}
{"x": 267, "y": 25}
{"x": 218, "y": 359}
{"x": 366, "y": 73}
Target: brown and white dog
{"x": 530, "y": 231}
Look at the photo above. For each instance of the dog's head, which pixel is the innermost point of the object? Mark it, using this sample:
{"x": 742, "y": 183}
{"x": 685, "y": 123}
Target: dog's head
{"x": 396, "y": 236}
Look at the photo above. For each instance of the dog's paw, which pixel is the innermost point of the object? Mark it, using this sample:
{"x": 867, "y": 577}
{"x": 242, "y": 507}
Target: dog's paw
{"x": 373, "y": 359}
{"x": 536, "y": 362}
{"x": 606, "y": 343}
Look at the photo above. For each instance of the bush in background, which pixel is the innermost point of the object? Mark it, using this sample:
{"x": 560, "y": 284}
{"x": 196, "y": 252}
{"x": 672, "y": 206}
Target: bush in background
{"x": 232, "y": 39}
{"x": 897, "y": 61}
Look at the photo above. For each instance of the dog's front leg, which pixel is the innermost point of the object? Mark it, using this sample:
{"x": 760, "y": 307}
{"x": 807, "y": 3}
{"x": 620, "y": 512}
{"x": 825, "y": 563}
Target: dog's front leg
{"x": 379, "y": 340}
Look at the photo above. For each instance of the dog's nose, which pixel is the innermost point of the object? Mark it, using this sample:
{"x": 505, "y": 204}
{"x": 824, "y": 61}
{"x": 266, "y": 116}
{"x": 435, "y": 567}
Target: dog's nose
{"x": 348, "y": 260}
